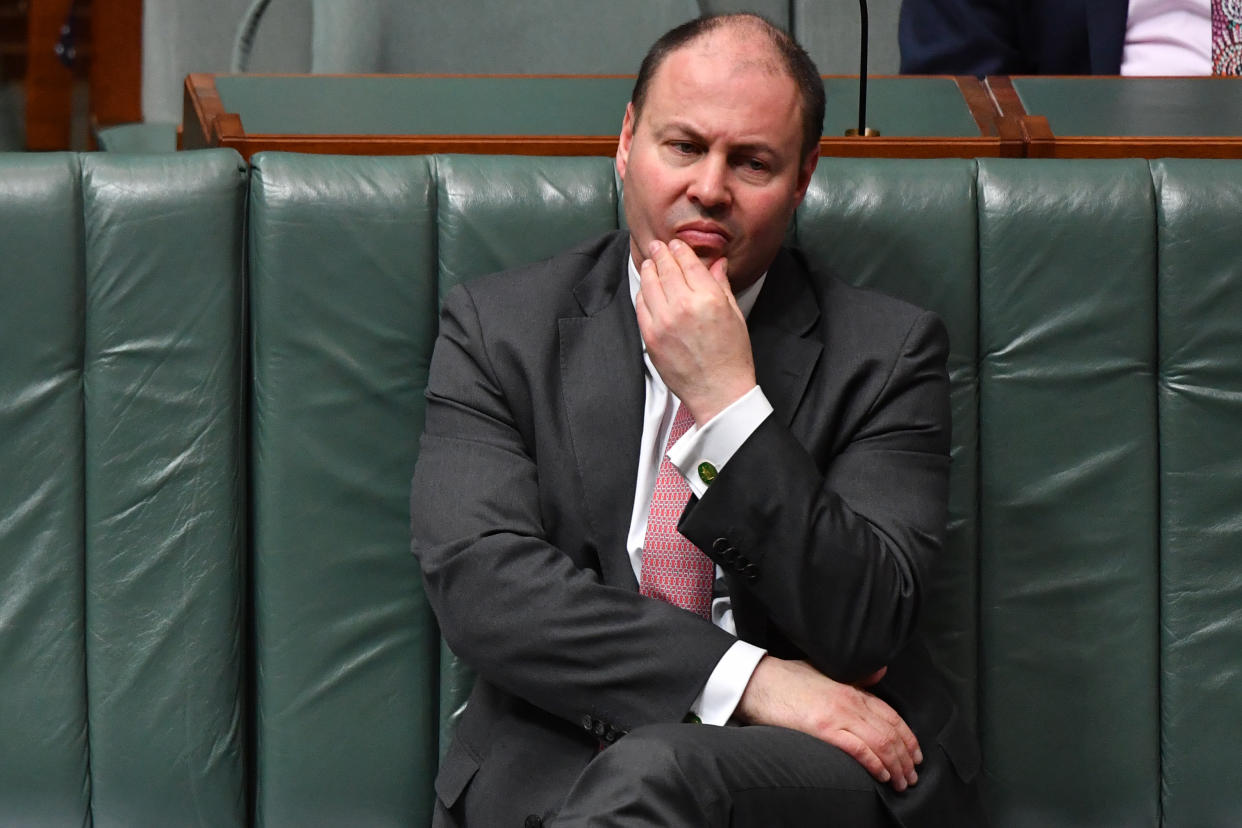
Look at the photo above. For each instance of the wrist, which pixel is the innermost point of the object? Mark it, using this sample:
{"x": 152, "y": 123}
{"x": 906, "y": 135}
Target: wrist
{"x": 706, "y": 406}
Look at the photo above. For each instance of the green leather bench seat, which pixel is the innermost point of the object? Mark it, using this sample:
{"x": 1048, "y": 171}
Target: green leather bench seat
{"x": 1078, "y": 574}
{"x": 122, "y": 510}
{"x": 210, "y": 618}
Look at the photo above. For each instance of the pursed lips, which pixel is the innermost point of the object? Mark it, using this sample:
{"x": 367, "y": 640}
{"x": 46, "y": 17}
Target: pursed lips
{"x": 702, "y": 234}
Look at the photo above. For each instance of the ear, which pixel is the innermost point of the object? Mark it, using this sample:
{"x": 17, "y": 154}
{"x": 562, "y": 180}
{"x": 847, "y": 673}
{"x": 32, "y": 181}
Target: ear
{"x": 625, "y": 140}
{"x": 805, "y": 171}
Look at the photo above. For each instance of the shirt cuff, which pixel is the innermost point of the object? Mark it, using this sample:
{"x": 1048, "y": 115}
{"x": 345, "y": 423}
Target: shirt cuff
{"x": 717, "y": 440}
{"x": 727, "y": 682}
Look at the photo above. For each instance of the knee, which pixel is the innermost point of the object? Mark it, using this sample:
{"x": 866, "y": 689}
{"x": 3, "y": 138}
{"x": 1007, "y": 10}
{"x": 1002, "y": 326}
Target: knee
{"x": 663, "y": 754}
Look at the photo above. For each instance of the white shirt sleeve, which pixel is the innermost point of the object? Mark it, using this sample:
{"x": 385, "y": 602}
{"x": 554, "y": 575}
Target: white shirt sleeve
{"x": 715, "y": 443}
{"x": 717, "y": 440}
{"x": 727, "y": 682}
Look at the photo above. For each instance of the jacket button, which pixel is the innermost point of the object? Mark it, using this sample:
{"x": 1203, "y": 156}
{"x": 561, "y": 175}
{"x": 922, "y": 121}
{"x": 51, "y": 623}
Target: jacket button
{"x": 533, "y": 821}
{"x": 600, "y": 729}
{"x": 752, "y": 573}
{"x": 720, "y": 544}
{"x": 587, "y": 722}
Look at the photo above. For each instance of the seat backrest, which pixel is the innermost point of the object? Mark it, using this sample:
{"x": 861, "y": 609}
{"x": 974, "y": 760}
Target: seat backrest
{"x": 122, "y": 514}
{"x": 1085, "y": 607}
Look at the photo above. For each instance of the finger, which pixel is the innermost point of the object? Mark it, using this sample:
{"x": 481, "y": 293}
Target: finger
{"x": 645, "y": 321}
{"x": 690, "y": 264}
{"x": 672, "y": 277}
{"x": 860, "y": 752}
{"x": 904, "y": 733}
{"x": 884, "y": 742}
{"x": 720, "y": 272}
{"x": 650, "y": 285}
{"x": 897, "y": 742}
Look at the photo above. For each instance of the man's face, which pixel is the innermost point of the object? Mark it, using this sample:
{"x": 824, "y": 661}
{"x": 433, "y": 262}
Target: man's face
{"x": 715, "y": 157}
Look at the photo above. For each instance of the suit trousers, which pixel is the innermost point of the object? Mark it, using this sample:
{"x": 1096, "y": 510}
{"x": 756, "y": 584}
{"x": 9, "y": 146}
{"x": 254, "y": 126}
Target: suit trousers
{"x": 700, "y": 775}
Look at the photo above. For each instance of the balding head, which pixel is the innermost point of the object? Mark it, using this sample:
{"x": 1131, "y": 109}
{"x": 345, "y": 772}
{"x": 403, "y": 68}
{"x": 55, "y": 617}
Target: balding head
{"x": 756, "y": 44}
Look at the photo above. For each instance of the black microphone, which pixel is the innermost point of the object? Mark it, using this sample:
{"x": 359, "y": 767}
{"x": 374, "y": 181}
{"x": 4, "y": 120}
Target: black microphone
{"x": 862, "y": 130}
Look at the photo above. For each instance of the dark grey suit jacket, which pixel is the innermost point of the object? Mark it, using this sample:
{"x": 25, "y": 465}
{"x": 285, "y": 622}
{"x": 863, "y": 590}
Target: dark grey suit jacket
{"x": 525, "y": 482}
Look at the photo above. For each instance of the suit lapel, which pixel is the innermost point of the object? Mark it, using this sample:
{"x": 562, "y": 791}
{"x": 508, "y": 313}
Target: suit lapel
{"x": 782, "y": 317}
{"x": 602, "y": 384}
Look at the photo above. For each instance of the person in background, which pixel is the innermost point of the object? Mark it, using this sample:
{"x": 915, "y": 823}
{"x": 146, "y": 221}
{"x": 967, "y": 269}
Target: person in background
{"x": 1071, "y": 37}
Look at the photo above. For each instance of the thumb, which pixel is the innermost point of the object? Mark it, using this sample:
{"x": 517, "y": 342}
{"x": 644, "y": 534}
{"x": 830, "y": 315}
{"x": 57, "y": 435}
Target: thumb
{"x": 720, "y": 272}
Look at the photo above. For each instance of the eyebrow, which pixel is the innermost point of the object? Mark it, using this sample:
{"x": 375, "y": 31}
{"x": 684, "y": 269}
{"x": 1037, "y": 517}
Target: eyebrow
{"x": 756, "y": 147}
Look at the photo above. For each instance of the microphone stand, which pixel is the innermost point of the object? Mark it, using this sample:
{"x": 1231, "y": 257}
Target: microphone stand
{"x": 862, "y": 131}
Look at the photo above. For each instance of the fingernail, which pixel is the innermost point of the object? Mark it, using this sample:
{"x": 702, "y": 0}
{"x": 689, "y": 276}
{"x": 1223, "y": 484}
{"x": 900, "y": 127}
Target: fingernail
{"x": 885, "y": 776}
{"x": 918, "y": 756}
{"x": 676, "y": 244}
{"x": 912, "y": 778}
{"x": 653, "y": 247}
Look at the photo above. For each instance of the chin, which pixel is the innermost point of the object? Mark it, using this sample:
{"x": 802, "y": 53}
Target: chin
{"x": 708, "y": 257}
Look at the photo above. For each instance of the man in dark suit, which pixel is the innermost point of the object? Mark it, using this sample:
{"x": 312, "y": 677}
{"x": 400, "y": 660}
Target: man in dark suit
{"x": 814, "y": 478}
{"x": 1012, "y": 37}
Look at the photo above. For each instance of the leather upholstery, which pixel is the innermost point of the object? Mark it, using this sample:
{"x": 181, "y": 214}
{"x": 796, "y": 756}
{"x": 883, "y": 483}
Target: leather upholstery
{"x": 122, "y": 512}
{"x": 1198, "y": 383}
{"x": 1068, "y": 511}
{"x": 1086, "y": 604}
{"x": 342, "y": 292}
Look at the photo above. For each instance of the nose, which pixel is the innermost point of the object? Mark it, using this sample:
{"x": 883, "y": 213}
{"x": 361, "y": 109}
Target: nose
{"x": 709, "y": 187}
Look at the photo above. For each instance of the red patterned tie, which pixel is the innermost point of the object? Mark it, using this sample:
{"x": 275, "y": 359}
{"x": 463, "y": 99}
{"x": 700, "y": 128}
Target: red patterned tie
{"x": 674, "y": 569}
{"x": 1227, "y": 37}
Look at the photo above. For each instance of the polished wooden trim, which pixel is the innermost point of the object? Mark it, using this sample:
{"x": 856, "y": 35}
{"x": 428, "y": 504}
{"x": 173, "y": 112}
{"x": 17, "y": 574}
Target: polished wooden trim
{"x": 1041, "y": 142}
{"x": 115, "y": 74}
{"x": 49, "y": 83}
{"x": 201, "y": 107}
{"x": 989, "y": 118}
{"x": 206, "y": 124}
{"x": 1006, "y": 97}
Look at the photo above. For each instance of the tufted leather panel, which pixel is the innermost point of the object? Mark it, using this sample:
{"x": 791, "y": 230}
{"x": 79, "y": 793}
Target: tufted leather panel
{"x": 164, "y": 487}
{"x": 342, "y": 261}
{"x": 43, "y": 751}
{"x": 121, "y": 535}
{"x": 1200, "y": 396}
{"x": 908, "y": 228}
{"x": 496, "y": 212}
{"x": 1067, "y": 413}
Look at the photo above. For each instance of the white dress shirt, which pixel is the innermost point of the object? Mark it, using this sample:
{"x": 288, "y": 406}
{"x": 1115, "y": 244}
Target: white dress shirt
{"x": 1168, "y": 37}
{"x": 715, "y": 442}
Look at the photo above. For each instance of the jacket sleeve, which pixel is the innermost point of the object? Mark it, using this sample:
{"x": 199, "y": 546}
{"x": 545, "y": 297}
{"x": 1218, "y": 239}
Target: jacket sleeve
{"x": 833, "y": 551}
{"x": 960, "y": 37}
{"x": 534, "y": 619}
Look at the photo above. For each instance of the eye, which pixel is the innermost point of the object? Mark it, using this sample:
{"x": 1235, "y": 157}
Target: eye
{"x": 682, "y": 147}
